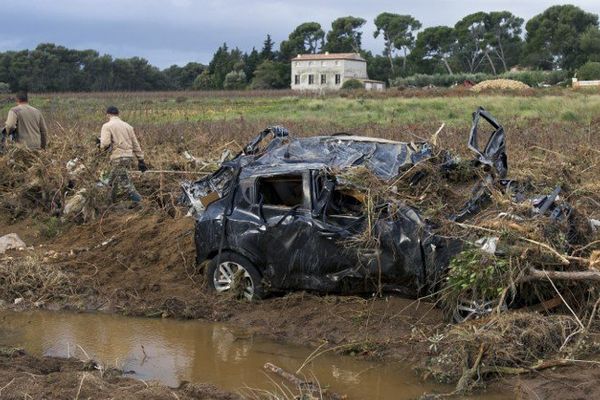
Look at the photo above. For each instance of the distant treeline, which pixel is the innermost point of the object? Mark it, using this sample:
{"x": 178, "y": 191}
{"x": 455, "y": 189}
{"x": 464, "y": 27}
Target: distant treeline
{"x": 563, "y": 37}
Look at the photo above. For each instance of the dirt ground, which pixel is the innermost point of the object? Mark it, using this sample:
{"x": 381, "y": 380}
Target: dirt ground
{"x": 25, "y": 377}
{"x": 142, "y": 263}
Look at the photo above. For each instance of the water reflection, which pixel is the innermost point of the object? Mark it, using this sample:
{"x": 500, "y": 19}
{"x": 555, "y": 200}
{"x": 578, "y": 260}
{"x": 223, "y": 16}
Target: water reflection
{"x": 172, "y": 351}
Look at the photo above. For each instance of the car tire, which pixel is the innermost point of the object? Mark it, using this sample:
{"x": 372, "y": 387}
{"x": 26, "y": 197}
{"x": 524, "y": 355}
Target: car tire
{"x": 224, "y": 270}
{"x": 467, "y": 310}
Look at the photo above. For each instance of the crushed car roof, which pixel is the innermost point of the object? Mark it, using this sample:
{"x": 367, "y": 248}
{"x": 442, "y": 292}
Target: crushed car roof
{"x": 385, "y": 158}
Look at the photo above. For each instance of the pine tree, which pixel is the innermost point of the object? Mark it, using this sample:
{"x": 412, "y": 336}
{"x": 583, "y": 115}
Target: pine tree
{"x": 267, "y": 51}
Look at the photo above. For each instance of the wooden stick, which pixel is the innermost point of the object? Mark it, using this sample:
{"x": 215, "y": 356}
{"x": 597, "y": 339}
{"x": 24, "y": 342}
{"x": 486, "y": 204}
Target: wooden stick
{"x": 287, "y": 375}
{"x": 524, "y": 370}
{"x": 534, "y": 273}
{"x": 5, "y": 386}
{"x": 469, "y": 375}
{"x": 313, "y": 389}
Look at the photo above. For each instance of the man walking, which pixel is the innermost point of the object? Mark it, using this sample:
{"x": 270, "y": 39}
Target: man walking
{"x": 119, "y": 137}
{"x": 26, "y": 124}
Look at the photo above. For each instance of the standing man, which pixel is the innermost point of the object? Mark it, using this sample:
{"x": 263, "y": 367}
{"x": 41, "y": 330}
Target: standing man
{"x": 118, "y": 136}
{"x": 26, "y": 124}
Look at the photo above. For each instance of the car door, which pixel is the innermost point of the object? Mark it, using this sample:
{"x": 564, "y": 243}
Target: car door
{"x": 283, "y": 203}
{"x": 304, "y": 248}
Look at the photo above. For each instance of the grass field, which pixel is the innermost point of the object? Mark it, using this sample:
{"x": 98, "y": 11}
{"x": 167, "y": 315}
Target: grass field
{"x": 351, "y": 111}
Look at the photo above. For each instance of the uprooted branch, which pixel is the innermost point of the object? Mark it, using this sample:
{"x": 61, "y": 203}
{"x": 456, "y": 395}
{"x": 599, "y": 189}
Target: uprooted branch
{"x": 538, "y": 274}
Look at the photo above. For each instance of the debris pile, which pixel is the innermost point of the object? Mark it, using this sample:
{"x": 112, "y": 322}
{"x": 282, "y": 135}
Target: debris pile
{"x": 519, "y": 250}
{"x": 508, "y": 344}
{"x": 500, "y": 84}
{"x": 73, "y": 184}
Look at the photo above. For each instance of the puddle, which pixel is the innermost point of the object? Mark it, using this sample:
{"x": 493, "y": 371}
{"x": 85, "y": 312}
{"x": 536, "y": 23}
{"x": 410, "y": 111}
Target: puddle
{"x": 172, "y": 351}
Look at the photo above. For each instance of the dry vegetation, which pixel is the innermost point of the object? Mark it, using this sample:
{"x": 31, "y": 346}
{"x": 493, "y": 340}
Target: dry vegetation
{"x": 552, "y": 139}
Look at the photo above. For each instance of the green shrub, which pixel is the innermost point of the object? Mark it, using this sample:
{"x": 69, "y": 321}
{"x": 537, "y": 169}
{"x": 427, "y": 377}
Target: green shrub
{"x": 204, "y": 81}
{"x": 353, "y": 84}
{"x": 537, "y": 78}
{"x": 531, "y": 78}
{"x": 4, "y": 87}
{"x": 590, "y": 71}
{"x": 441, "y": 80}
{"x": 235, "y": 80}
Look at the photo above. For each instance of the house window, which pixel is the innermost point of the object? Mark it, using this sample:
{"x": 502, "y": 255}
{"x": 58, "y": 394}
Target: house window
{"x": 296, "y": 79}
{"x": 323, "y": 79}
{"x": 338, "y": 79}
{"x": 311, "y": 79}
{"x": 281, "y": 190}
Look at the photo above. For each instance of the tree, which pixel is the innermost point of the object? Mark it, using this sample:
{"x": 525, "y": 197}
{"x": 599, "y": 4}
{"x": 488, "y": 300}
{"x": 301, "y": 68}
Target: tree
{"x": 378, "y": 66}
{"x": 50, "y": 67}
{"x": 267, "y": 51}
{"x": 554, "y": 37}
{"x": 271, "y": 75}
{"x": 306, "y": 38}
{"x": 223, "y": 62}
{"x": 503, "y": 37}
{"x": 251, "y": 62}
{"x": 590, "y": 43}
{"x": 99, "y": 73}
{"x": 179, "y": 78}
{"x": 435, "y": 44}
{"x": 471, "y": 42}
{"x": 344, "y": 36}
{"x": 398, "y": 34}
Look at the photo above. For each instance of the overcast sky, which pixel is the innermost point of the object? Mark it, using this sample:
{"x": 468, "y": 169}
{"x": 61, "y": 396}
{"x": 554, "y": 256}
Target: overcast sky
{"x": 170, "y": 32}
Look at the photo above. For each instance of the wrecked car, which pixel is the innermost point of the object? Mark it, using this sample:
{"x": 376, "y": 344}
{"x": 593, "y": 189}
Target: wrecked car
{"x": 294, "y": 213}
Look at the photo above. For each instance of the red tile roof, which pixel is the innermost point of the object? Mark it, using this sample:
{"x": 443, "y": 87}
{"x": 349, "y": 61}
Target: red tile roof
{"x": 332, "y": 56}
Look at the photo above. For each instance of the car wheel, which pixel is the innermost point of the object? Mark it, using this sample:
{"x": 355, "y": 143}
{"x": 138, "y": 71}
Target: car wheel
{"x": 466, "y": 310}
{"x": 235, "y": 274}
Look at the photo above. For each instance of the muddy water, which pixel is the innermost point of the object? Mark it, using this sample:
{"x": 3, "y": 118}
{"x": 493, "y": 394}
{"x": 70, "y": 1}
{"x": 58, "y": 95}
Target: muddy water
{"x": 172, "y": 351}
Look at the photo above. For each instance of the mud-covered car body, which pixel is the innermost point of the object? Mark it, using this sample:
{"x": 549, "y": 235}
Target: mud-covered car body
{"x": 287, "y": 209}
{"x": 291, "y": 219}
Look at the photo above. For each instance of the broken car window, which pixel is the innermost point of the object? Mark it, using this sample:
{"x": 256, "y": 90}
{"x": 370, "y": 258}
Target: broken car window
{"x": 281, "y": 190}
{"x": 346, "y": 202}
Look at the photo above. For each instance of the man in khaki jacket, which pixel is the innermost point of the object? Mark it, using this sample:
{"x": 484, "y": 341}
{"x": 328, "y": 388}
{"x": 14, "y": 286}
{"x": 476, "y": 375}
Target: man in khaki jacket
{"x": 118, "y": 137}
{"x": 27, "y": 124}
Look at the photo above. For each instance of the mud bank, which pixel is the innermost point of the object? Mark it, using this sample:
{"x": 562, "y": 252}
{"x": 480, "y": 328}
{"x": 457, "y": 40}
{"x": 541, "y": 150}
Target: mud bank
{"x": 26, "y": 376}
{"x": 142, "y": 264}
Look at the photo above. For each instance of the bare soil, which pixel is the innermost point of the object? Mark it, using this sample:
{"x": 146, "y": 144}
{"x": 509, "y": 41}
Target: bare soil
{"x": 23, "y": 376}
{"x": 142, "y": 263}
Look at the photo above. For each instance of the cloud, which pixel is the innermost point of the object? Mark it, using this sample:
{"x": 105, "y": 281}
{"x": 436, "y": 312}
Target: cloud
{"x": 178, "y": 31}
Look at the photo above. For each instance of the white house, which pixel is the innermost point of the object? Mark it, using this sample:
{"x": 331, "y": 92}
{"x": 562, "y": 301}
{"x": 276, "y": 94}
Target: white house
{"x": 330, "y": 71}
